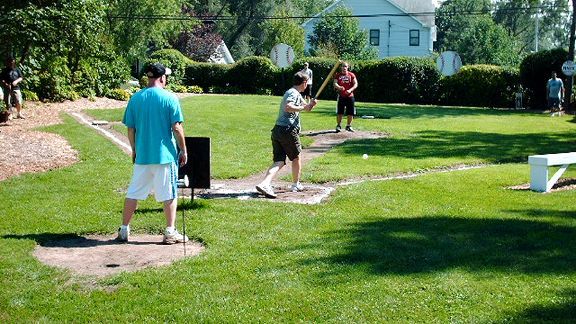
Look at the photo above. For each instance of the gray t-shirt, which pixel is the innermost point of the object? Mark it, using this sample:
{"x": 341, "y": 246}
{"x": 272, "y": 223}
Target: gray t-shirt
{"x": 291, "y": 119}
{"x": 309, "y": 73}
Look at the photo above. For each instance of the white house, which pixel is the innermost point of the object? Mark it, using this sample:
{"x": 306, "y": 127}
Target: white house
{"x": 395, "y": 27}
{"x": 221, "y": 55}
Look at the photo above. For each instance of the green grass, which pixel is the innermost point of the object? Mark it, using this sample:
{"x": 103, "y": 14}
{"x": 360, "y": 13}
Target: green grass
{"x": 442, "y": 247}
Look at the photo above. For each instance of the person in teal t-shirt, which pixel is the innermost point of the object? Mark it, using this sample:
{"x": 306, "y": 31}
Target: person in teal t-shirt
{"x": 154, "y": 120}
{"x": 555, "y": 92}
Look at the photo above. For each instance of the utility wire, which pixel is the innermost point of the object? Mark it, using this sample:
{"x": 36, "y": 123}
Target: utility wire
{"x": 413, "y": 14}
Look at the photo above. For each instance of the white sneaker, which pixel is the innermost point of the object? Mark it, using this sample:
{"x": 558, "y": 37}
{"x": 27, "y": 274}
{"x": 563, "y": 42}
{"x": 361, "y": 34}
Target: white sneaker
{"x": 297, "y": 187}
{"x": 174, "y": 237}
{"x": 266, "y": 191}
{"x": 123, "y": 234}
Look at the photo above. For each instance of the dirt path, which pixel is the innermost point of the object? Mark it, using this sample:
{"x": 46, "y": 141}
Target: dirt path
{"x": 244, "y": 188}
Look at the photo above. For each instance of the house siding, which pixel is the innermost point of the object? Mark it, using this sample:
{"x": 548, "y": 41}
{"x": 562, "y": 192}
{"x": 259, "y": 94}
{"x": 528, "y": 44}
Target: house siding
{"x": 394, "y": 29}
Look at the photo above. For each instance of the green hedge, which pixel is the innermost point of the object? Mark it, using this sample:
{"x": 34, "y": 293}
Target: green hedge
{"x": 253, "y": 74}
{"x": 480, "y": 86}
{"x": 174, "y": 60}
{"x": 207, "y": 75}
{"x": 399, "y": 80}
{"x": 392, "y": 80}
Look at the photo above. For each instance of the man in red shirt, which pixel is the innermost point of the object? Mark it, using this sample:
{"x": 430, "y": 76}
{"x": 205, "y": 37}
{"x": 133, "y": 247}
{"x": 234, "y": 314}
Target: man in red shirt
{"x": 345, "y": 83}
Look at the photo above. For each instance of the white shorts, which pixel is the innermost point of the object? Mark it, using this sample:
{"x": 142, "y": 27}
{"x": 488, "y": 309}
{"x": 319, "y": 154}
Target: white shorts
{"x": 158, "y": 178}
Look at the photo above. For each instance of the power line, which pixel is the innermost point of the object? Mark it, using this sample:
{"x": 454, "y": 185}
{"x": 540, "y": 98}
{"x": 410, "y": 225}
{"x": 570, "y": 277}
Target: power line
{"x": 405, "y": 14}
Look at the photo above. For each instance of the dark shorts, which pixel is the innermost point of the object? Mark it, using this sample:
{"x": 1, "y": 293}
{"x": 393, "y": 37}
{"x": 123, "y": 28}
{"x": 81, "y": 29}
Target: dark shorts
{"x": 285, "y": 143}
{"x": 553, "y": 103}
{"x": 346, "y": 106}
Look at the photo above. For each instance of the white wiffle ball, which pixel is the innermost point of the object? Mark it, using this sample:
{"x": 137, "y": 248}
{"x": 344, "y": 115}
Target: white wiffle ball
{"x": 365, "y": 156}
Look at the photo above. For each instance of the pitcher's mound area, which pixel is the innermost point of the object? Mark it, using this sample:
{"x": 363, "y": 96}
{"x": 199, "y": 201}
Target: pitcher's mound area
{"x": 102, "y": 256}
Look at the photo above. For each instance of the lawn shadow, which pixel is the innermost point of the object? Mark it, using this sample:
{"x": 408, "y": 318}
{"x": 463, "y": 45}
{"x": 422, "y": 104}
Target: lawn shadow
{"x": 564, "y": 312}
{"x": 388, "y": 111}
{"x": 69, "y": 240}
{"x": 539, "y": 213}
{"x": 407, "y": 246}
{"x": 491, "y": 147}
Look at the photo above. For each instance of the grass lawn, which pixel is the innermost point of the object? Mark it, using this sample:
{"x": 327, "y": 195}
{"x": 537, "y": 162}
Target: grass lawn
{"x": 441, "y": 247}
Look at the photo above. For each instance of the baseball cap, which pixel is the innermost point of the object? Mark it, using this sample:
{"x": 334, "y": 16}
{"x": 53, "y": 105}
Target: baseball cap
{"x": 156, "y": 70}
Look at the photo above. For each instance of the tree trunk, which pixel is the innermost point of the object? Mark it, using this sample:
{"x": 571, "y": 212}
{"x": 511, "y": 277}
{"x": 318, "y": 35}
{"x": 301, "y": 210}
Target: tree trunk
{"x": 570, "y": 81}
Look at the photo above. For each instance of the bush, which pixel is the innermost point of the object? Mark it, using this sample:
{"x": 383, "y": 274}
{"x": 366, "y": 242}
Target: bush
{"x": 535, "y": 70}
{"x": 206, "y": 75}
{"x": 29, "y": 95}
{"x": 195, "y": 89}
{"x": 98, "y": 76}
{"x": 253, "y": 74}
{"x": 54, "y": 80}
{"x": 119, "y": 94}
{"x": 174, "y": 60}
{"x": 480, "y": 86}
{"x": 177, "y": 88}
{"x": 398, "y": 79}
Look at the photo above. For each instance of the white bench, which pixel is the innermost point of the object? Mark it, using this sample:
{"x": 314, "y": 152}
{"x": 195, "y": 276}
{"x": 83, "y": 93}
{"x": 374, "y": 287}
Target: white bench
{"x": 539, "y": 169}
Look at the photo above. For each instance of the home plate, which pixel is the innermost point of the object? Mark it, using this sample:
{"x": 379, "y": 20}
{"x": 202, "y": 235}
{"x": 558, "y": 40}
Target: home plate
{"x": 99, "y": 122}
{"x": 102, "y": 256}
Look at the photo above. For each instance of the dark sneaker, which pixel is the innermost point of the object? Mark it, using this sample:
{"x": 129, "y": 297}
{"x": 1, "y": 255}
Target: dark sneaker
{"x": 338, "y": 128}
{"x": 123, "y": 234}
{"x": 350, "y": 129}
{"x": 174, "y": 237}
{"x": 266, "y": 191}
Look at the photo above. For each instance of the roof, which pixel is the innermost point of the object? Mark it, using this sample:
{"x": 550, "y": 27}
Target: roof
{"x": 420, "y": 10}
{"x": 423, "y": 10}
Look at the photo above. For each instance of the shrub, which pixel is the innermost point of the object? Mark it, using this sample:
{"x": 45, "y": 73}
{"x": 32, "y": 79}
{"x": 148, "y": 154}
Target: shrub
{"x": 398, "y": 79}
{"x": 195, "y": 89}
{"x": 480, "y": 86}
{"x": 54, "y": 80}
{"x": 177, "y": 88}
{"x": 174, "y": 60}
{"x": 29, "y": 95}
{"x": 253, "y": 74}
{"x": 119, "y": 94}
{"x": 206, "y": 75}
{"x": 98, "y": 76}
{"x": 143, "y": 81}
{"x": 535, "y": 70}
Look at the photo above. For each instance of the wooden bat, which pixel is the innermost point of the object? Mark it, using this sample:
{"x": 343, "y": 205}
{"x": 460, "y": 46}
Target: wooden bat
{"x": 328, "y": 79}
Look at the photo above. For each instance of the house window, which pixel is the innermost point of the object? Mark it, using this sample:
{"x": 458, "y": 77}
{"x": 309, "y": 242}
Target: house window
{"x": 375, "y": 37}
{"x": 414, "y": 37}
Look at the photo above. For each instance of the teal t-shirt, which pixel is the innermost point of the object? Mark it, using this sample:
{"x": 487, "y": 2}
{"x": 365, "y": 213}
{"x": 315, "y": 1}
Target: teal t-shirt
{"x": 152, "y": 112}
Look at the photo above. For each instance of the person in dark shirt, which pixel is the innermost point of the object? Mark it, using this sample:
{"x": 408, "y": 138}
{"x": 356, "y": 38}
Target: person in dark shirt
{"x": 10, "y": 78}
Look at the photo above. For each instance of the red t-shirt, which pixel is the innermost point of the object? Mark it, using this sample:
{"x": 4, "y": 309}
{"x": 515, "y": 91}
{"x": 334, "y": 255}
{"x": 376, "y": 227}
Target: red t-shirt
{"x": 345, "y": 80}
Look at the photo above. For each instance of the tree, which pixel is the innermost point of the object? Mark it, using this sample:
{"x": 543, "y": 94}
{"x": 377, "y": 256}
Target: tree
{"x": 453, "y": 16}
{"x": 283, "y": 30}
{"x": 200, "y": 43}
{"x": 482, "y": 41}
{"x": 338, "y": 30}
{"x": 520, "y": 17}
{"x": 138, "y": 26}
